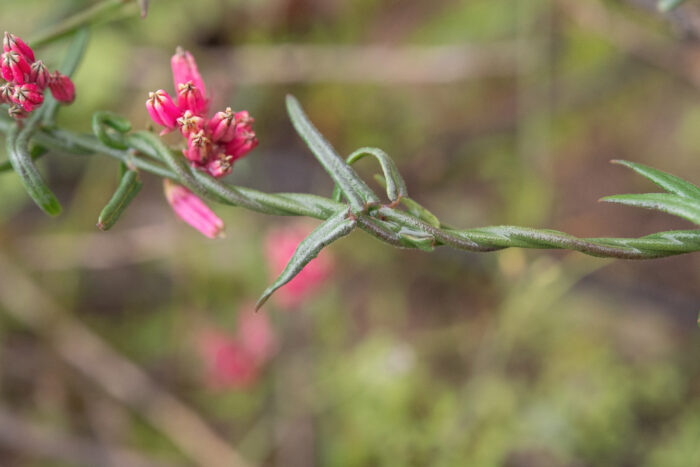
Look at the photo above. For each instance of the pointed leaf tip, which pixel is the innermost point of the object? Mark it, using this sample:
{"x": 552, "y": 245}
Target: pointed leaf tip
{"x": 332, "y": 229}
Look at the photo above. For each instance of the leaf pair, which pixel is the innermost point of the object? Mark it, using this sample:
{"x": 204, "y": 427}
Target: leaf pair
{"x": 682, "y": 199}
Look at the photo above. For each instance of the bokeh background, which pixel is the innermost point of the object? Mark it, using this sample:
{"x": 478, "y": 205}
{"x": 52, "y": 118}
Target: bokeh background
{"x": 497, "y": 112}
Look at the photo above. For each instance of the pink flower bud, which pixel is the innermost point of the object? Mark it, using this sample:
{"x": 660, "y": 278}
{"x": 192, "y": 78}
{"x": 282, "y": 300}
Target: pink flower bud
{"x": 13, "y": 66}
{"x": 39, "y": 74}
{"x": 162, "y": 109}
{"x": 62, "y": 88}
{"x": 190, "y": 123}
{"x": 223, "y": 126}
{"x": 13, "y": 43}
{"x": 6, "y": 92}
{"x": 185, "y": 70}
{"x": 192, "y": 210}
{"x": 17, "y": 112}
{"x": 280, "y": 245}
{"x": 244, "y": 142}
{"x": 198, "y": 147}
{"x": 29, "y": 96}
{"x": 220, "y": 166}
{"x": 244, "y": 120}
{"x": 189, "y": 97}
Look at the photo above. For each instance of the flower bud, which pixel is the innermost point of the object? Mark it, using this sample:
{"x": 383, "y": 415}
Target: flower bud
{"x": 244, "y": 142}
{"x": 220, "y": 166}
{"x": 62, "y": 88}
{"x": 185, "y": 70}
{"x": 6, "y": 92}
{"x": 29, "y": 96}
{"x": 244, "y": 120}
{"x": 13, "y": 66}
{"x": 223, "y": 126}
{"x": 39, "y": 74}
{"x": 162, "y": 109}
{"x": 17, "y": 112}
{"x": 192, "y": 210}
{"x": 198, "y": 147}
{"x": 190, "y": 123}
{"x": 13, "y": 43}
{"x": 189, "y": 97}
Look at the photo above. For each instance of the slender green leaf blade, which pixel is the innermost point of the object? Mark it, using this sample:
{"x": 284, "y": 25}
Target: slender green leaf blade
{"x": 129, "y": 187}
{"x": 669, "y": 203}
{"x": 353, "y": 187}
{"x": 21, "y": 160}
{"x": 329, "y": 231}
{"x": 668, "y": 182}
{"x": 395, "y": 184}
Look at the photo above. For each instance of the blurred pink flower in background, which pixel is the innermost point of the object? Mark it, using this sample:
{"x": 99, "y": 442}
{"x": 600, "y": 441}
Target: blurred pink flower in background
{"x": 236, "y": 360}
{"x": 280, "y": 245}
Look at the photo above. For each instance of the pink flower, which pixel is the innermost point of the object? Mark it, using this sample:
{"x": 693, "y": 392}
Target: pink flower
{"x": 192, "y": 210}
{"x": 236, "y": 361}
{"x": 280, "y": 245}
{"x": 227, "y": 363}
{"x": 212, "y": 144}
{"x": 28, "y": 96}
{"x": 13, "y": 43}
{"x": 14, "y": 66}
{"x": 28, "y": 78}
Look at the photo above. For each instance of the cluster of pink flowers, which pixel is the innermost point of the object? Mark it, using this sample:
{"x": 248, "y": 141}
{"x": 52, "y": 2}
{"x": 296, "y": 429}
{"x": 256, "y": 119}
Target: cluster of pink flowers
{"x": 27, "y": 79}
{"x": 280, "y": 245}
{"x": 213, "y": 144}
{"x": 236, "y": 361}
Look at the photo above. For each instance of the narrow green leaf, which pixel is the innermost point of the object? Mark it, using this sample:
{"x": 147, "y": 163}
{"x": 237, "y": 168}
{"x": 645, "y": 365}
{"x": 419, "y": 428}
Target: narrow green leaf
{"x": 102, "y": 122}
{"x": 668, "y": 5}
{"x": 413, "y": 206}
{"x": 36, "y": 152}
{"x": 329, "y": 231}
{"x": 129, "y": 187}
{"x": 668, "y": 203}
{"x": 20, "y": 157}
{"x": 416, "y": 239}
{"x": 393, "y": 181}
{"x": 668, "y": 182}
{"x": 352, "y": 186}
{"x": 70, "y": 63}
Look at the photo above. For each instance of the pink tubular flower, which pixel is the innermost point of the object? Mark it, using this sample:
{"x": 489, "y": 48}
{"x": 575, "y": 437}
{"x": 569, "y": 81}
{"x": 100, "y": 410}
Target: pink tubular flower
{"x": 14, "y": 66}
{"x": 62, "y": 88}
{"x": 192, "y": 210}
{"x": 13, "y": 43}
{"x": 185, "y": 70}
{"x": 280, "y": 245}
{"x": 162, "y": 109}
{"x": 256, "y": 335}
{"x": 27, "y": 79}
{"x": 213, "y": 144}
{"x": 28, "y": 96}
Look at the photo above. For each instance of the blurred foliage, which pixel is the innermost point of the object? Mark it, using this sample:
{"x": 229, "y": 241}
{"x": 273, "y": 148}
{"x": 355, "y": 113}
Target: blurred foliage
{"x": 513, "y": 358}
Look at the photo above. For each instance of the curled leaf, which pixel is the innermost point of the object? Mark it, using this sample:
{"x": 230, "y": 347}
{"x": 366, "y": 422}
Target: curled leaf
{"x": 129, "y": 187}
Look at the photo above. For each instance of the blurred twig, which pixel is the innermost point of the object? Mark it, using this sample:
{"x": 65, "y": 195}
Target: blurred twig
{"x": 36, "y": 441}
{"x": 373, "y": 63}
{"x": 88, "y": 353}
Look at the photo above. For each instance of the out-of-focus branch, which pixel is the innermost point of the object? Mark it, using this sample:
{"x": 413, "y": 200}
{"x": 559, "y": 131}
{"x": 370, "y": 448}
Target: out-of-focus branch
{"x": 16, "y": 434}
{"x": 254, "y": 64}
{"x": 625, "y": 34}
{"x": 26, "y": 302}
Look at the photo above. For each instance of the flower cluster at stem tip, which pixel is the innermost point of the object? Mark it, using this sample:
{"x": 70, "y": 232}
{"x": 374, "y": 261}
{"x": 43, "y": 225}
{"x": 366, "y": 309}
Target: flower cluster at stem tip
{"x": 26, "y": 79}
{"x": 213, "y": 143}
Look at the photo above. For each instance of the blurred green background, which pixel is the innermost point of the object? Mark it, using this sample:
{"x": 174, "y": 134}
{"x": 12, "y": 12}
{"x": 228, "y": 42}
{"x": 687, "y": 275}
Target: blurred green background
{"x": 496, "y": 112}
